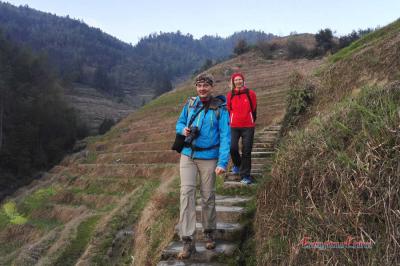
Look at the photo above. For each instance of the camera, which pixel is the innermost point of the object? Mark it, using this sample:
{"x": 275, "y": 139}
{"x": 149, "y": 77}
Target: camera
{"x": 194, "y": 134}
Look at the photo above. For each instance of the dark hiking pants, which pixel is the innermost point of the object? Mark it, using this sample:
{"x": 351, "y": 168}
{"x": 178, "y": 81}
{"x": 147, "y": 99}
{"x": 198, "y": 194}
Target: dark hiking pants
{"x": 244, "y": 161}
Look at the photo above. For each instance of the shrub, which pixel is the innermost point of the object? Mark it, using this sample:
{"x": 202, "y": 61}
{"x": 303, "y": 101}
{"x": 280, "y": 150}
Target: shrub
{"x": 300, "y": 97}
{"x": 296, "y": 50}
{"x": 324, "y": 39}
{"x": 106, "y": 125}
{"x": 267, "y": 49}
{"x": 241, "y": 47}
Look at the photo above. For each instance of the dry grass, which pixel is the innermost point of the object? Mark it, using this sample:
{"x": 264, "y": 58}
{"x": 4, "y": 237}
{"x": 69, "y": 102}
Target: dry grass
{"x": 157, "y": 224}
{"x": 337, "y": 178}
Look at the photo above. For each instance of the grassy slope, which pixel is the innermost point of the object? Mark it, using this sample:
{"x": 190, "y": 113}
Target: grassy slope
{"x": 338, "y": 175}
{"x": 89, "y": 206}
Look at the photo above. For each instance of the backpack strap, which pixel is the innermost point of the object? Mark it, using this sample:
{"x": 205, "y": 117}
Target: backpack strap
{"x": 247, "y": 92}
{"x": 216, "y": 103}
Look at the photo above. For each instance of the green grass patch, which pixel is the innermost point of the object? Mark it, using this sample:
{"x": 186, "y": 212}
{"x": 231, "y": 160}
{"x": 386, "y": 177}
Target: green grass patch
{"x": 239, "y": 191}
{"x": 45, "y": 224}
{"x": 38, "y": 199}
{"x": 78, "y": 244}
{"x": 368, "y": 39}
{"x": 168, "y": 99}
{"x": 91, "y": 157}
{"x": 4, "y": 220}
{"x": 9, "y": 215}
{"x": 6, "y": 248}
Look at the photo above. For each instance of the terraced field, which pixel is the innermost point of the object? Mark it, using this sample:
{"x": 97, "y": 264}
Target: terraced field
{"x": 116, "y": 201}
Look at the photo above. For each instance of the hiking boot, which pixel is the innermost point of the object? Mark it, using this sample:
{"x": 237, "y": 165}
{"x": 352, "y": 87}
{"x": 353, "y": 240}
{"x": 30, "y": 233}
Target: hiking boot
{"x": 246, "y": 180}
{"x": 209, "y": 239}
{"x": 188, "y": 248}
{"x": 235, "y": 170}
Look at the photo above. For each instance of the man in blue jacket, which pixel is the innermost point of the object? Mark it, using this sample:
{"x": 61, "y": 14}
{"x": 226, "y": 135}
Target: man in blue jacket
{"x": 204, "y": 121}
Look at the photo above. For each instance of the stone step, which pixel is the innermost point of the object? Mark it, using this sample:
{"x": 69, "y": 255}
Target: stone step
{"x": 272, "y": 130}
{"x": 232, "y": 177}
{"x": 235, "y": 184}
{"x": 260, "y": 149}
{"x": 267, "y": 140}
{"x": 230, "y": 200}
{"x": 266, "y": 136}
{"x": 202, "y": 254}
{"x": 261, "y": 154}
{"x": 268, "y": 131}
{"x": 256, "y": 171}
{"x": 266, "y": 145}
{"x": 187, "y": 263}
{"x": 262, "y": 160}
{"x": 277, "y": 127}
{"x": 225, "y": 214}
{"x": 225, "y": 231}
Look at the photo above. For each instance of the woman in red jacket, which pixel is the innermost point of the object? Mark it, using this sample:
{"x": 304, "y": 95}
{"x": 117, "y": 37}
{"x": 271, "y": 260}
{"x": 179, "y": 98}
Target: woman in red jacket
{"x": 242, "y": 106}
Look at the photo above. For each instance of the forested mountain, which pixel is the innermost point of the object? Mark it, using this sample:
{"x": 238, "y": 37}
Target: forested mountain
{"x": 36, "y": 125}
{"x": 83, "y": 54}
{"x": 50, "y": 63}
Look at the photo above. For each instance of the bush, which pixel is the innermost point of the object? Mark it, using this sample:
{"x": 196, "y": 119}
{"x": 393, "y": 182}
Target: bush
{"x": 301, "y": 96}
{"x": 241, "y": 47}
{"x": 324, "y": 39}
{"x": 296, "y": 50}
{"x": 106, "y": 125}
{"x": 267, "y": 49}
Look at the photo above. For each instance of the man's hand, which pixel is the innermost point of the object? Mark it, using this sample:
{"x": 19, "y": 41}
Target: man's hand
{"x": 219, "y": 170}
{"x": 186, "y": 131}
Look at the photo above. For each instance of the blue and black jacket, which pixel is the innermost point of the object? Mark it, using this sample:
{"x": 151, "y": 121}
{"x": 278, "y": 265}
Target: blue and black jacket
{"x": 215, "y": 134}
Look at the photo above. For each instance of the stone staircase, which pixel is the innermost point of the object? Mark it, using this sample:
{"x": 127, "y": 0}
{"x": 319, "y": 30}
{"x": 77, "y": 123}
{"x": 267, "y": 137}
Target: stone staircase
{"x": 228, "y": 234}
{"x": 229, "y": 210}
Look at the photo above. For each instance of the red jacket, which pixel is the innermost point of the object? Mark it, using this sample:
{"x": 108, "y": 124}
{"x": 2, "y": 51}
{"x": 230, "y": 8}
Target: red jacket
{"x": 239, "y": 108}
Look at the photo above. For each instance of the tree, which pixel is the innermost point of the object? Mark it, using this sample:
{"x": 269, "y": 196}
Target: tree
{"x": 106, "y": 125}
{"x": 241, "y": 47}
{"x": 324, "y": 39}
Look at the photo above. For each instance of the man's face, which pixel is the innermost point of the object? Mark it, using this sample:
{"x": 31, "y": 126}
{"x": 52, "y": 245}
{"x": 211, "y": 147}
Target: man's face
{"x": 203, "y": 89}
{"x": 238, "y": 81}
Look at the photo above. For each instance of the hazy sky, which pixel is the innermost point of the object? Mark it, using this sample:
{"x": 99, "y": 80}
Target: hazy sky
{"x": 131, "y": 20}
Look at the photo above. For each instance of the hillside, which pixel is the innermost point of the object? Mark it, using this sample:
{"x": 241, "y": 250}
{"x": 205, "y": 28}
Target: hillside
{"x": 335, "y": 180}
{"x": 37, "y": 127}
{"x": 115, "y": 72}
{"x": 119, "y": 197}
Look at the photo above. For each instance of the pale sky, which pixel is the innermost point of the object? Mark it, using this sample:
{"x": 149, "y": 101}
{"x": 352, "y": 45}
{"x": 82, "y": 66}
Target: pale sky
{"x": 131, "y": 20}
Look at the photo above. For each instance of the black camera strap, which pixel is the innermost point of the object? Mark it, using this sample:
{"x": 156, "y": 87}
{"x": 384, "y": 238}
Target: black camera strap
{"x": 194, "y": 116}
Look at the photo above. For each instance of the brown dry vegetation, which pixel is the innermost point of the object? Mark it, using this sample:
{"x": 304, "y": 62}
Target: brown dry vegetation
{"x": 306, "y": 39}
{"x": 338, "y": 175}
{"x": 93, "y": 205}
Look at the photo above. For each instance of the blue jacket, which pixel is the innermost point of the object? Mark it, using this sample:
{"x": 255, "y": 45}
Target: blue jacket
{"x": 213, "y": 131}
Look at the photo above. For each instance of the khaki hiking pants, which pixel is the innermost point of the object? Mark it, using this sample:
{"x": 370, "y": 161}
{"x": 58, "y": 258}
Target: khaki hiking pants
{"x": 189, "y": 168}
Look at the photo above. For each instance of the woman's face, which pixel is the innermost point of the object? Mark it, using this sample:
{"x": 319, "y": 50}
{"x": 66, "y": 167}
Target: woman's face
{"x": 238, "y": 82}
{"x": 203, "y": 89}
